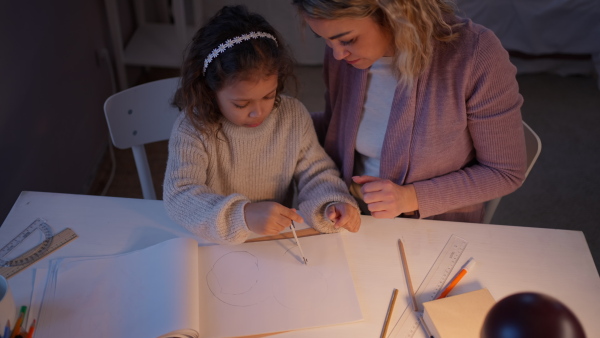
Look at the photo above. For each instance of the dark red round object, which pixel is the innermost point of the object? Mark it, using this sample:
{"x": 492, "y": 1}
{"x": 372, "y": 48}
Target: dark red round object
{"x": 531, "y": 315}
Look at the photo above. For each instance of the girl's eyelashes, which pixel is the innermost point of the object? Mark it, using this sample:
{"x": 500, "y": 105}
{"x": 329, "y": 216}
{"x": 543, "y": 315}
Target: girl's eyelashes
{"x": 242, "y": 106}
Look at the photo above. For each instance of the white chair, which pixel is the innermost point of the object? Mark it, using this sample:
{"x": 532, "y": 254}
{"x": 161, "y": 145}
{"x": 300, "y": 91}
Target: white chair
{"x": 140, "y": 115}
{"x": 152, "y": 44}
{"x": 533, "y": 145}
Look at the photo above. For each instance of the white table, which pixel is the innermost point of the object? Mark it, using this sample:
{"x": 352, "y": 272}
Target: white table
{"x": 509, "y": 259}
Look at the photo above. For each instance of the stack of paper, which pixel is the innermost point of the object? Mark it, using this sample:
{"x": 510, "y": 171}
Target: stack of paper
{"x": 459, "y": 316}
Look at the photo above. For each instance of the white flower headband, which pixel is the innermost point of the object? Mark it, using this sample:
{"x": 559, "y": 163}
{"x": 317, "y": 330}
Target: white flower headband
{"x": 234, "y": 41}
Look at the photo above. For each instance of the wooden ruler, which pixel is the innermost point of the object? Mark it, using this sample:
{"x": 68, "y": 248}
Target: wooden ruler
{"x": 10, "y": 267}
{"x": 283, "y": 235}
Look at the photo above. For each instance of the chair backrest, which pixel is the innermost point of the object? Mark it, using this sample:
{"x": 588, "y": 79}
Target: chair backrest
{"x": 140, "y": 115}
{"x": 533, "y": 146}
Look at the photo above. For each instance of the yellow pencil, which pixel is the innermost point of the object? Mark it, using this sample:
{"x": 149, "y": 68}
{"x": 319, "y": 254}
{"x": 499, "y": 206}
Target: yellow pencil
{"x": 19, "y": 322}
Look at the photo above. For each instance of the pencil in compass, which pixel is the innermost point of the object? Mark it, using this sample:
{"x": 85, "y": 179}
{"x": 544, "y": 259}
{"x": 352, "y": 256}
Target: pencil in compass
{"x": 298, "y": 243}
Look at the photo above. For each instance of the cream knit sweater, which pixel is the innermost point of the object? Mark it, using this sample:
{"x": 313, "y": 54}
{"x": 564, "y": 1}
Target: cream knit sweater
{"x": 209, "y": 180}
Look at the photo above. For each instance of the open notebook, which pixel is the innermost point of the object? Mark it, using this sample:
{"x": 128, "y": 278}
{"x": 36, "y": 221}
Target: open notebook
{"x": 178, "y": 289}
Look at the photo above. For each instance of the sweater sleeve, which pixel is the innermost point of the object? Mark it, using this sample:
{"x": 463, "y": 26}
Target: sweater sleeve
{"x": 494, "y": 122}
{"x": 319, "y": 182}
{"x": 187, "y": 198}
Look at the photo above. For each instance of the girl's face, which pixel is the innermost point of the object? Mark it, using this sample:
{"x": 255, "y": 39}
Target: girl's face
{"x": 247, "y": 103}
{"x": 360, "y": 42}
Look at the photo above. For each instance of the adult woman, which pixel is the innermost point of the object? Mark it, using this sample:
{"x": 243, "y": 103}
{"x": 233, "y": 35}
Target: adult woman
{"x": 423, "y": 110}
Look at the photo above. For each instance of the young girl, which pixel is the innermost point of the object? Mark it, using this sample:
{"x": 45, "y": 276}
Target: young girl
{"x": 240, "y": 144}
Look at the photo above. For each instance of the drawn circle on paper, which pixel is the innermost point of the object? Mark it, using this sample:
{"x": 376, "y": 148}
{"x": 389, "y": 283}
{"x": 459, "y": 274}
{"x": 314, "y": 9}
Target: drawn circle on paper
{"x": 236, "y": 279}
{"x": 311, "y": 287}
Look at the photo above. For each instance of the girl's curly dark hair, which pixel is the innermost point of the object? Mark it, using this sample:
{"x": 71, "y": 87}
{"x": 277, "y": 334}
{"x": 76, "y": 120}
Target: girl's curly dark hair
{"x": 248, "y": 60}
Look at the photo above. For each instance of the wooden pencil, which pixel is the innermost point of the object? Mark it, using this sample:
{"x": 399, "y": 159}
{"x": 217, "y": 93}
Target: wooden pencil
{"x": 388, "y": 317}
{"x": 411, "y": 291}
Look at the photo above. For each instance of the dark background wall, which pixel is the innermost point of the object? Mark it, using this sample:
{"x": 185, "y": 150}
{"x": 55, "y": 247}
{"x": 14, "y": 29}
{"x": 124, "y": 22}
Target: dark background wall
{"x": 53, "y": 83}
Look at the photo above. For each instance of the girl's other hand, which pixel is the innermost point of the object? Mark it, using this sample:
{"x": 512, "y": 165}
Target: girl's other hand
{"x": 385, "y": 198}
{"x": 344, "y": 216}
{"x": 269, "y": 218}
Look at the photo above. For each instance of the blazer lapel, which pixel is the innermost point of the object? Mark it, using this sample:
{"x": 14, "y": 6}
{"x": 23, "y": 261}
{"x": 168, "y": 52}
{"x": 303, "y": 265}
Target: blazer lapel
{"x": 395, "y": 152}
{"x": 345, "y": 121}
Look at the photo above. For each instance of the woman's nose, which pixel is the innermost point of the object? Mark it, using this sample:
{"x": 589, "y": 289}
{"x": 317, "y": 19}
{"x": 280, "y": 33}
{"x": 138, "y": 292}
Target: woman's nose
{"x": 339, "y": 52}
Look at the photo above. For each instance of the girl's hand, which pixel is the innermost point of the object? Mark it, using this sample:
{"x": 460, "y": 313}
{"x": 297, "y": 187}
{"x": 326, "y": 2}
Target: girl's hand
{"x": 269, "y": 218}
{"x": 385, "y": 198}
{"x": 344, "y": 216}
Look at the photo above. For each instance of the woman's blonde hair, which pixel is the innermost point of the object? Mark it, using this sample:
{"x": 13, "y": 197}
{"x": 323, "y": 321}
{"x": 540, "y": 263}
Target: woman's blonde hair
{"x": 414, "y": 25}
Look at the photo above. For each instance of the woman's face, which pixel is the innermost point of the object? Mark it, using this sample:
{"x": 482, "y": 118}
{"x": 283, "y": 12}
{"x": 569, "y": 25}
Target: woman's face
{"x": 360, "y": 42}
{"x": 247, "y": 103}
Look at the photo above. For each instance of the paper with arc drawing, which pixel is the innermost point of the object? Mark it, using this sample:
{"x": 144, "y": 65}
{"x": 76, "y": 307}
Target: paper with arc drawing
{"x": 165, "y": 290}
{"x": 263, "y": 287}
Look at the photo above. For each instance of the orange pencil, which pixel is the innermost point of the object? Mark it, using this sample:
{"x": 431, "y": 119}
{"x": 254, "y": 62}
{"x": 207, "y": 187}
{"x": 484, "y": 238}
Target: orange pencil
{"x": 31, "y": 329}
{"x": 469, "y": 265}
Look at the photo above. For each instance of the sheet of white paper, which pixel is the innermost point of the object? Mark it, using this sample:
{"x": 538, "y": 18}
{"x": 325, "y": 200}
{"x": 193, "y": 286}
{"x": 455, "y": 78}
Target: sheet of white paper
{"x": 145, "y": 293}
{"x": 264, "y": 287}
{"x": 39, "y": 284}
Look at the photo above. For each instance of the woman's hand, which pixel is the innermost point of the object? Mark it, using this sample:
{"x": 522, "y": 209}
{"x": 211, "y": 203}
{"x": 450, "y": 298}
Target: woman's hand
{"x": 385, "y": 198}
{"x": 269, "y": 218}
{"x": 344, "y": 216}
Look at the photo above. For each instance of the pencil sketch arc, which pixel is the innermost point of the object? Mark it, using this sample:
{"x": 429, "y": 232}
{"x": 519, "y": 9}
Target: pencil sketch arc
{"x": 236, "y": 279}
